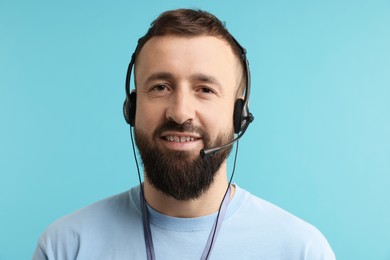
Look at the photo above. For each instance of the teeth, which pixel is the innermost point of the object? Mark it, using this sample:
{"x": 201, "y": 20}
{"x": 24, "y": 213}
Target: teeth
{"x": 178, "y": 139}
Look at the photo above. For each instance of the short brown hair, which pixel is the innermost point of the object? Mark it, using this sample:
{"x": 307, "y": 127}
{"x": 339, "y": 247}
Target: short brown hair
{"x": 190, "y": 22}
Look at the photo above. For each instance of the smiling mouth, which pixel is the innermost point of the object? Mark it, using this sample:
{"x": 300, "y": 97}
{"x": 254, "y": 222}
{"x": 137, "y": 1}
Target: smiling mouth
{"x": 180, "y": 139}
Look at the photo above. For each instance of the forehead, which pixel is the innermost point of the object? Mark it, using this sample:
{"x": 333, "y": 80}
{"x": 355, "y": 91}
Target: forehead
{"x": 201, "y": 41}
{"x": 184, "y": 56}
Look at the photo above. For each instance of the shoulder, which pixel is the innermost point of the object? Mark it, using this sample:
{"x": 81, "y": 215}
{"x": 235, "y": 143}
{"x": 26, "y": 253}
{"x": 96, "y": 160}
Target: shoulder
{"x": 111, "y": 207}
{"x": 87, "y": 224}
{"x": 284, "y": 229}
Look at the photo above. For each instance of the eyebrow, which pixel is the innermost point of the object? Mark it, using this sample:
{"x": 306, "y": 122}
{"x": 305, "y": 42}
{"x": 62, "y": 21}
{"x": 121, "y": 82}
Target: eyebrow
{"x": 204, "y": 78}
{"x": 160, "y": 76}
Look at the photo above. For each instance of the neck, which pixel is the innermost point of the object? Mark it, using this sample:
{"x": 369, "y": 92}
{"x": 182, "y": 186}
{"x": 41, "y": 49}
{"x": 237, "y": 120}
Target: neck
{"x": 206, "y": 204}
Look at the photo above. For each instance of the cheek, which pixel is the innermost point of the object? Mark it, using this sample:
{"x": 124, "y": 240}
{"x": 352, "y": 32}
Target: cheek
{"x": 218, "y": 120}
{"x": 147, "y": 117}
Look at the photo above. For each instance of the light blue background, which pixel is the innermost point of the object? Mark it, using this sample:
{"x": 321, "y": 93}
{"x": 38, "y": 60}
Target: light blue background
{"x": 319, "y": 147}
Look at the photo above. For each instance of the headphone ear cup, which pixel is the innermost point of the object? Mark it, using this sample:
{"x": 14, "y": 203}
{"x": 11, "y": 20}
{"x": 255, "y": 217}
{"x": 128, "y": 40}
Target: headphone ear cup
{"x": 129, "y": 108}
{"x": 126, "y": 112}
{"x": 237, "y": 115}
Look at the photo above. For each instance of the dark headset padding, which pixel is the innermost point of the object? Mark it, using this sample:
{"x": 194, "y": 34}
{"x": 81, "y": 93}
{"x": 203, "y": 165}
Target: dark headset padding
{"x": 238, "y": 115}
{"x": 129, "y": 108}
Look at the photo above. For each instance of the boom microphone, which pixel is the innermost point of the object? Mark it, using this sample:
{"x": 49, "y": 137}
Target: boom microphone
{"x": 207, "y": 153}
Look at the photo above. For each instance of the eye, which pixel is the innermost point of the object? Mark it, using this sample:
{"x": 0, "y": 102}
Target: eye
{"x": 206, "y": 90}
{"x": 159, "y": 88}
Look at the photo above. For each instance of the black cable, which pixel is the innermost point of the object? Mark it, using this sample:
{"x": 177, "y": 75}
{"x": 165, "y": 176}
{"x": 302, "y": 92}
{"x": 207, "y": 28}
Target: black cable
{"x": 136, "y": 161}
{"x": 220, "y": 206}
{"x": 140, "y": 182}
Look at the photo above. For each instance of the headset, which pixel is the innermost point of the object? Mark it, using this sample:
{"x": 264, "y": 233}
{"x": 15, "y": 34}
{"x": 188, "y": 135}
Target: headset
{"x": 241, "y": 115}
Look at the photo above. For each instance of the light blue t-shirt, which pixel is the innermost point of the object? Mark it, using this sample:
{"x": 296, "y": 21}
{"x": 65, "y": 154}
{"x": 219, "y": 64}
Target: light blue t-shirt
{"x": 112, "y": 229}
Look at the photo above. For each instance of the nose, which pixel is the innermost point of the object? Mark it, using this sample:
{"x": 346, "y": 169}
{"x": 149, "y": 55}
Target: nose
{"x": 181, "y": 107}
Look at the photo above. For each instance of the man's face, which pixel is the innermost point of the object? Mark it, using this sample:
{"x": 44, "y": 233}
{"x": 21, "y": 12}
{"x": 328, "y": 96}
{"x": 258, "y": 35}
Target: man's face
{"x": 185, "y": 98}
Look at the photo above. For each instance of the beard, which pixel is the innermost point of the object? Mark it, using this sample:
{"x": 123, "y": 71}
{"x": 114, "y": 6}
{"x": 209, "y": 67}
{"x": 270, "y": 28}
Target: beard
{"x": 177, "y": 173}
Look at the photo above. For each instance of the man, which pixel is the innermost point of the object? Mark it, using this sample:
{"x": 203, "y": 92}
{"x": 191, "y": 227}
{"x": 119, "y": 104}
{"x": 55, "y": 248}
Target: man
{"x": 192, "y": 86}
